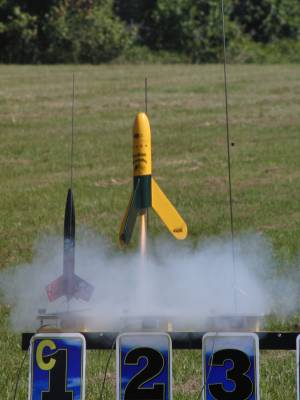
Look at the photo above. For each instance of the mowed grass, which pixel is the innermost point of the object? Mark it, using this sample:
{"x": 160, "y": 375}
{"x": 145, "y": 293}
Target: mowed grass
{"x": 186, "y": 109}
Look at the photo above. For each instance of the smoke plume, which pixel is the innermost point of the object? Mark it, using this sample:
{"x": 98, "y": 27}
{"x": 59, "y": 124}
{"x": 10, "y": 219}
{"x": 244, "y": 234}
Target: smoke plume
{"x": 194, "y": 287}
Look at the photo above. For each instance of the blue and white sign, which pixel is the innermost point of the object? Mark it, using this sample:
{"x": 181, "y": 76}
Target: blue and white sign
{"x": 57, "y": 367}
{"x": 230, "y": 366}
{"x": 144, "y": 366}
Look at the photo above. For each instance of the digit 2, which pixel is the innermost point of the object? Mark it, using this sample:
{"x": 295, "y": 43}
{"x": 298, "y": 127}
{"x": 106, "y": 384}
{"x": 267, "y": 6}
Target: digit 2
{"x": 58, "y": 378}
{"x": 155, "y": 365}
{"x": 241, "y": 365}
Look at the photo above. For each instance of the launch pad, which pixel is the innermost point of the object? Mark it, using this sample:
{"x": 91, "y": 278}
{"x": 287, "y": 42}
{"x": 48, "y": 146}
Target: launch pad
{"x": 79, "y": 321}
{"x": 182, "y": 340}
{"x": 68, "y": 321}
{"x": 85, "y": 320}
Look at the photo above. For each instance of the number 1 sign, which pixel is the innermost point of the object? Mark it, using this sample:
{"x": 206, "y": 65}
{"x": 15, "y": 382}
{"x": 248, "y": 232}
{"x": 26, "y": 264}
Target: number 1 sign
{"x": 298, "y": 366}
{"x": 57, "y": 366}
{"x": 230, "y": 366}
{"x": 144, "y": 366}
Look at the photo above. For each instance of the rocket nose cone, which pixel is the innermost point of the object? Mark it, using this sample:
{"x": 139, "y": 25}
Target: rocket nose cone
{"x": 141, "y": 145}
{"x": 69, "y": 221}
{"x": 141, "y": 123}
{"x": 69, "y": 197}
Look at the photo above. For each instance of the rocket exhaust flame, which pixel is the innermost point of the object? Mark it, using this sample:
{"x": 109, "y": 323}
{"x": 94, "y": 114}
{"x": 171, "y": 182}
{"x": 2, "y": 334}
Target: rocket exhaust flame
{"x": 143, "y": 234}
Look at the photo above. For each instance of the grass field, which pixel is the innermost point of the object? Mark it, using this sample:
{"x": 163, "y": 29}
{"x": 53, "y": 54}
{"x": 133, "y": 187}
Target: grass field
{"x": 186, "y": 108}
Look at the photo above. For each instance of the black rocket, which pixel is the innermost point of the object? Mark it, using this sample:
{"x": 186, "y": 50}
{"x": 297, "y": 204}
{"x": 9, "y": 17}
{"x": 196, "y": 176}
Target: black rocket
{"x": 69, "y": 284}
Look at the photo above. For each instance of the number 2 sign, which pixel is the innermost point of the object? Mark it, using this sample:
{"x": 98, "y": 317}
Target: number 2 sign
{"x": 230, "y": 366}
{"x": 57, "y": 366}
{"x": 144, "y": 366}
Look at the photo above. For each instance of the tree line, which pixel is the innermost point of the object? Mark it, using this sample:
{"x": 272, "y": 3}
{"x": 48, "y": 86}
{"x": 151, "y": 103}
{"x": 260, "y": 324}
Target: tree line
{"x": 98, "y": 31}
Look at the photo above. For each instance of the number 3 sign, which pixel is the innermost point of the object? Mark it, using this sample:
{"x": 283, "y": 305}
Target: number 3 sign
{"x": 57, "y": 366}
{"x": 230, "y": 366}
{"x": 298, "y": 366}
{"x": 144, "y": 366}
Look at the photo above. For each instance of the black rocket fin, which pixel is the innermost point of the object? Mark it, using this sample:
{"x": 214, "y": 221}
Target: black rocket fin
{"x": 129, "y": 219}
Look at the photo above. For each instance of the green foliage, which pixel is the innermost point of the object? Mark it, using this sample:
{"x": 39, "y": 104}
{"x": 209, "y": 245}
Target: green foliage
{"x": 38, "y": 8}
{"x": 190, "y": 27}
{"x": 133, "y": 11}
{"x": 245, "y": 50}
{"x": 61, "y": 48}
{"x": 194, "y": 27}
{"x": 100, "y": 35}
{"x": 206, "y": 43}
{"x": 95, "y": 31}
{"x": 268, "y": 20}
{"x": 18, "y": 37}
{"x": 142, "y": 54}
{"x": 172, "y": 23}
{"x": 92, "y": 36}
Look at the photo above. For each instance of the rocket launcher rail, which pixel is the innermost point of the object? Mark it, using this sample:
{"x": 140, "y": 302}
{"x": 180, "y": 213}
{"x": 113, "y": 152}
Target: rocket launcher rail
{"x": 182, "y": 340}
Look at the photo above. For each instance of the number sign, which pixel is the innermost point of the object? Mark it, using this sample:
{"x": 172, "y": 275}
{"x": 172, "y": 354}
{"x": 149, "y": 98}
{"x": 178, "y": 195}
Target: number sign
{"x": 230, "y": 366}
{"x": 144, "y": 362}
{"x": 57, "y": 367}
{"x": 298, "y": 367}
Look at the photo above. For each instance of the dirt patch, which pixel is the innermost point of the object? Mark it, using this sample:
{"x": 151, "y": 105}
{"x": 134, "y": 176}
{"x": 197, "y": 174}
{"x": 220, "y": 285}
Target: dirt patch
{"x": 216, "y": 182}
{"x": 110, "y": 378}
{"x": 192, "y": 385}
{"x": 15, "y": 161}
{"x": 113, "y": 182}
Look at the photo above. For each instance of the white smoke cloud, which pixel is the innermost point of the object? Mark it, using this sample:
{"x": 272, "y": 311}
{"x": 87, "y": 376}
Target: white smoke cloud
{"x": 194, "y": 287}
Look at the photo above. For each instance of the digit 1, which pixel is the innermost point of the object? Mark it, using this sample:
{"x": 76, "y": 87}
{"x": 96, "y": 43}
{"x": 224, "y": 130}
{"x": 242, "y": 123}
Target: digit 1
{"x": 58, "y": 378}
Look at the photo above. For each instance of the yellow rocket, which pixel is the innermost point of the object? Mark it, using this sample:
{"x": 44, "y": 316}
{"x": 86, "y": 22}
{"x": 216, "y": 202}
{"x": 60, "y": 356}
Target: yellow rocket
{"x": 146, "y": 192}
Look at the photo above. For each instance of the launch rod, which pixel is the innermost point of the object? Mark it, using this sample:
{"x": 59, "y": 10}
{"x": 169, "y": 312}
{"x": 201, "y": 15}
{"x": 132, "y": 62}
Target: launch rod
{"x": 72, "y": 133}
{"x": 228, "y": 155}
{"x": 146, "y": 95}
{"x": 71, "y": 180}
{"x": 144, "y": 216}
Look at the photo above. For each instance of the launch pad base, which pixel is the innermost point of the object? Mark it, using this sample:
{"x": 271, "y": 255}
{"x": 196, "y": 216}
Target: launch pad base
{"x": 182, "y": 340}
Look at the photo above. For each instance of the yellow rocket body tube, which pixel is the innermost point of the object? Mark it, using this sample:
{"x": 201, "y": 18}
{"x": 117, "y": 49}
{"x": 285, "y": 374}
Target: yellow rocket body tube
{"x": 141, "y": 146}
{"x": 146, "y": 192}
{"x": 142, "y": 163}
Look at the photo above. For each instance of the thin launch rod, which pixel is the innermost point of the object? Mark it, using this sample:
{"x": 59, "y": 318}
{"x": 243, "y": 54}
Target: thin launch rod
{"x": 228, "y": 154}
{"x": 146, "y": 95}
{"x": 71, "y": 168}
{"x": 72, "y": 134}
{"x": 144, "y": 217}
{"x": 72, "y": 143}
